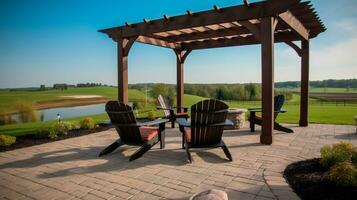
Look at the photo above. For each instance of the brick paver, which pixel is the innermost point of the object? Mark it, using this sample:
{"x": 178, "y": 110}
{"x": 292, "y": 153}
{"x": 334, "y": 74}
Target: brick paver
{"x": 70, "y": 169}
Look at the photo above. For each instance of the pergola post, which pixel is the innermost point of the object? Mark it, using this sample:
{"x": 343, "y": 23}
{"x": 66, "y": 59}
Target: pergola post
{"x": 123, "y": 48}
{"x": 180, "y": 60}
{"x": 304, "y": 100}
{"x": 267, "y": 50}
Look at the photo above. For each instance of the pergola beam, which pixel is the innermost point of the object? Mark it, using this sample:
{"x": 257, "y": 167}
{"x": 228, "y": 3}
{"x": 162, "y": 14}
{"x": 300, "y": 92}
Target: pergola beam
{"x": 157, "y": 42}
{"x": 181, "y": 56}
{"x": 267, "y": 53}
{"x": 289, "y": 19}
{"x": 304, "y": 97}
{"x": 237, "y": 41}
{"x": 209, "y": 34}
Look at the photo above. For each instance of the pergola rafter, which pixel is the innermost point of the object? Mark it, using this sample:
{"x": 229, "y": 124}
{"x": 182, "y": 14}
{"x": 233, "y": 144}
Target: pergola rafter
{"x": 266, "y": 22}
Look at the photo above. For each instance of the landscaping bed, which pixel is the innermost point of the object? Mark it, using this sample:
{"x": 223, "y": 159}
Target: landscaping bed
{"x": 309, "y": 180}
{"x": 35, "y": 139}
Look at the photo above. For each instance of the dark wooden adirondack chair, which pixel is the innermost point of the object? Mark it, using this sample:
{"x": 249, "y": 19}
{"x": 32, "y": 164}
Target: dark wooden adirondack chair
{"x": 208, "y": 119}
{"x": 169, "y": 110}
{"x": 131, "y": 132}
{"x": 278, "y": 104}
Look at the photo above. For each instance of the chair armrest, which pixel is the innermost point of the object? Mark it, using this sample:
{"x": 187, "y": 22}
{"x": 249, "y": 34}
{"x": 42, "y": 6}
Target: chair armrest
{"x": 225, "y": 123}
{"x": 281, "y": 111}
{"x": 183, "y": 122}
{"x": 260, "y": 110}
{"x": 153, "y": 123}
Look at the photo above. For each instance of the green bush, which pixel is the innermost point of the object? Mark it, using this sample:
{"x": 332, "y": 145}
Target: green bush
{"x": 354, "y": 156}
{"x": 87, "y": 123}
{"x": 338, "y": 153}
{"x": 151, "y": 115}
{"x": 26, "y": 111}
{"x": 60, "y": 128}
{"x": 344, "y": 174}
{"x": 42, "y": 133}
{"x": 7, "y": 140}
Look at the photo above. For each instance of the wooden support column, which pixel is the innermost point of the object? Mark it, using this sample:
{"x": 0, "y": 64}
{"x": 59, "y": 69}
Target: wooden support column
{"x": 123, "y": 48}
{"x": 304, "y": 100}
{"x": 267, "y": 40}
{"x": 180, "y": 57}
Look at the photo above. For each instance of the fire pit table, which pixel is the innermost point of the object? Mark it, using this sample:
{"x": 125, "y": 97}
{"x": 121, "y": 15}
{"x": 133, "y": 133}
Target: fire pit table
{"x": 237, "y": 116}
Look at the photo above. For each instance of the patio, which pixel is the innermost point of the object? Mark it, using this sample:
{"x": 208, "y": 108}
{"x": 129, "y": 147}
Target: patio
{"x": 70, "y": 169}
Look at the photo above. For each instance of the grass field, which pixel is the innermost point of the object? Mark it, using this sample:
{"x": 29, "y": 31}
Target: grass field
{"x": 8, "y": 99}
{"x": 327, "y": 113}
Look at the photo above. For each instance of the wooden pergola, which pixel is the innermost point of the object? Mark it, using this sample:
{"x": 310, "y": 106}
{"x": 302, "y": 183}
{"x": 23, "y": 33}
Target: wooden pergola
{"x": 266, "y": 22}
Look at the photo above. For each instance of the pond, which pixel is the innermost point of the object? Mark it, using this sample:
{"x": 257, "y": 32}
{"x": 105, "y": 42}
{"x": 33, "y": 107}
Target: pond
{"x": 67, "y": 112}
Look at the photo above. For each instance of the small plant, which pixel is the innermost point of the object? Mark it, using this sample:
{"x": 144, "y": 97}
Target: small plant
{"x": 60, "y": 128}
{"x": 354, "y": 156}
{"x": 151, "y": 115}
{"x": 26, "y": 111}
{"x": 42, "y": 133}
{"x": 344, "y": 174}
{"x": 87, "y": 123}
{"x": 6, "y": 119}
{"x": 341, "y": 152}
{"x": 7, "y": 140}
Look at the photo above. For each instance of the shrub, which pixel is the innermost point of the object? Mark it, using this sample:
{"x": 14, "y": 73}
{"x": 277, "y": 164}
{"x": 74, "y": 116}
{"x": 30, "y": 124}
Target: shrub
{"x": 6, "y": 119}
{"x": 7, "y": 140}
{"x": 344, "y": 174}
{"x": 60, "y": 128}
{"x": 42, "y": 133}
{"x": 137, "y": 105}
{"x": 151, "y": 115}
{"x": 338, "y": 153}
{"x": 87, "y": 123}
{"x": 26, "y": 111}
{"x": 354, "y": 156}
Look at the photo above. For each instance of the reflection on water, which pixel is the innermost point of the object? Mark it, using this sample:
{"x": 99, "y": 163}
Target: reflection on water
{"x": 67, "y": 112}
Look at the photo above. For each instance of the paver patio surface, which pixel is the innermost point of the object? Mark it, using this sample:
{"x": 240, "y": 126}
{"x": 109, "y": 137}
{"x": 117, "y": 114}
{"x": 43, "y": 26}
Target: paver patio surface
{"x": 70, "y": 169}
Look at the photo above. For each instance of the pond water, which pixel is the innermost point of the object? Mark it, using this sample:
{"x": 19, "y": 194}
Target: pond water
{"x": 67, "y": 112}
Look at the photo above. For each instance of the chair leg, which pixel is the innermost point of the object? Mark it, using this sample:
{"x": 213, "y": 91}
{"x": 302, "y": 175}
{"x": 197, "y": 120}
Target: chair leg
{"x": 226, "y": 151}
{"x": 141, "y": 151}
{"x": 162, "y": 135}
{"x": 279, "y": 127}
{"x": 252, "y": 121}
{"x": 189, "y": 157}
{"x": 183, "y": 141}
{"x": 111, "y": 147}
{"x": 173, "y": 123}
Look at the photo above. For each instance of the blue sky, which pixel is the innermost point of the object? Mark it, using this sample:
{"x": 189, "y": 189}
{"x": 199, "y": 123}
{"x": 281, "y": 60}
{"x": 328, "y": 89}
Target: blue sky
{"x": 53, "y": 41}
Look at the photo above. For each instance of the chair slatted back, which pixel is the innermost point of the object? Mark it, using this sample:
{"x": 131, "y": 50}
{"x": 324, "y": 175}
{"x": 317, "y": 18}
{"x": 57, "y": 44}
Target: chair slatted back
{"x": 166, "y": 104}
{"x": 278, "y": 104}
{"x": 203, "y": 115}
{"x": 121, "y": 115}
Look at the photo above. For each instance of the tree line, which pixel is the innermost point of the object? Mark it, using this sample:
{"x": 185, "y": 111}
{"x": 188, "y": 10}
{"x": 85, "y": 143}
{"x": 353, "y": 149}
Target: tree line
{"x": 330, "y": 83}
{"x": 235, "y": 92}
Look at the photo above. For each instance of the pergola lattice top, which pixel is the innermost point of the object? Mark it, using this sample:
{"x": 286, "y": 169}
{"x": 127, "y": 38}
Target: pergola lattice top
{"x": 222, "y": 27}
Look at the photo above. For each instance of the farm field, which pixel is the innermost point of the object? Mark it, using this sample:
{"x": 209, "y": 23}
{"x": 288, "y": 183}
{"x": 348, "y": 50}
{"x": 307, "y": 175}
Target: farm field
{"x": 322, "y": 90}
{"x": 8, "y": 99}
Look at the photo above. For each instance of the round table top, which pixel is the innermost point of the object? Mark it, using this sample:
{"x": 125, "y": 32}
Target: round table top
{"x": 236, "y": 110}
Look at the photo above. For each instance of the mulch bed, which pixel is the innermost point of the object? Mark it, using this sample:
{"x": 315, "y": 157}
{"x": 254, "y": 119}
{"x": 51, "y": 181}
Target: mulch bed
{"x": 308, "y": 179}
{"x": 31, "y": 140}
